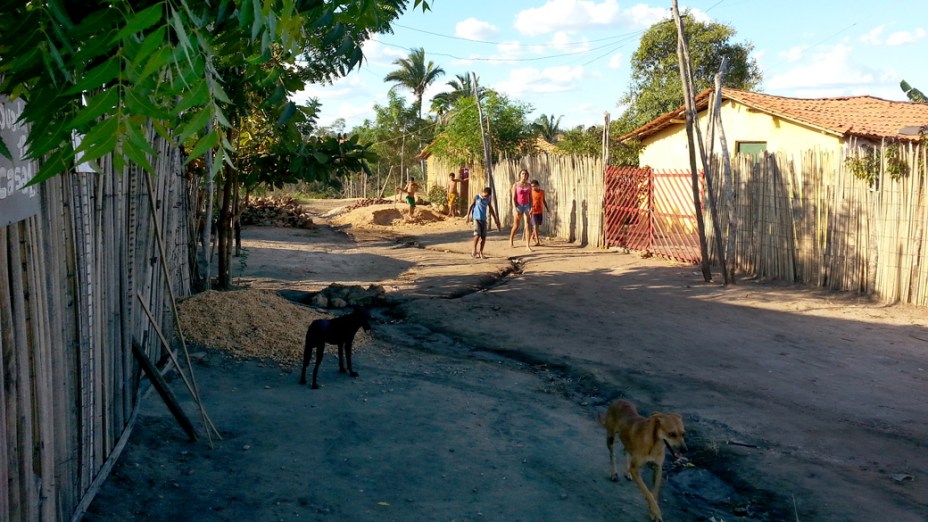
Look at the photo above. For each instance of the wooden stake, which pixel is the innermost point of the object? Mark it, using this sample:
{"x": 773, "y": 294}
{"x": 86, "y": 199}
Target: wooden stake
{"x": 163, "y": 390}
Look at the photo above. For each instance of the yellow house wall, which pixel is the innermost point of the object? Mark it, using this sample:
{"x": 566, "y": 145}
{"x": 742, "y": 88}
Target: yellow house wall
{"x": 668, "y": 148}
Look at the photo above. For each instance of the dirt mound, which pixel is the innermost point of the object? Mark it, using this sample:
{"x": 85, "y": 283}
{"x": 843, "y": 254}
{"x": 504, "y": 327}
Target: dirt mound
{"x": 251, "y": 323}
{"x": 386, "y": 215}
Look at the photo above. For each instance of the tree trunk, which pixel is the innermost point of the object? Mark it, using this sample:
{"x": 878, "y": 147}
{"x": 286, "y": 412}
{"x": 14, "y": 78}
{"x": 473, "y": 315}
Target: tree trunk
{"x": 224, "y": 230}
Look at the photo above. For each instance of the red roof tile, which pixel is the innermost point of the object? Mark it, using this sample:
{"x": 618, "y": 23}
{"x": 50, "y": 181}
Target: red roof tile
{"x": 861, "y": 116}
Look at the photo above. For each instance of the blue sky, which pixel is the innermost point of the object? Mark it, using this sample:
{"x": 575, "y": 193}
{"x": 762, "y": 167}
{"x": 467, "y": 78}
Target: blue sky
{"x": 570, "y": 58}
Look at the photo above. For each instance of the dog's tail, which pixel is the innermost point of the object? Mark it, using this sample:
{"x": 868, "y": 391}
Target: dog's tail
{"x": 600, "y": 418}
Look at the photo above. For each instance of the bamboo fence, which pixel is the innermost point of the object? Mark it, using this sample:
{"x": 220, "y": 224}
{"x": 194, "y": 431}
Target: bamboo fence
{"x": 806, "y": 219}
{"x": 69, "y": 276}
{"x": 801, "y": 218}
{"x": 573, "y": 187}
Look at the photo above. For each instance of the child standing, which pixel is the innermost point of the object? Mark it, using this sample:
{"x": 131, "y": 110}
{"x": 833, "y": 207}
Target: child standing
{"x": 539, "y": 207}
{"x": 410, "y": 191}
{"x": 452, "y": 194}
{"x": 478, "y": 212}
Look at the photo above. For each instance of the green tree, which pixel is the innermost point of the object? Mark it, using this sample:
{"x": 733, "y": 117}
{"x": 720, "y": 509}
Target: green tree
{"x": 655, "y": 78}
{"x": 107, "y": 70}
{"x": 914, "y": 94}
{"x": 459, "y": 141}
{"x": 389, "y": 135}
{"x": 462, "y": 87}
{"x": 198, "y": 73}
{"x": 548, "y": 127}
{"x": 414, "y": 74}
{"x": 582, "y": 141}
{"x": 588, "y": 141}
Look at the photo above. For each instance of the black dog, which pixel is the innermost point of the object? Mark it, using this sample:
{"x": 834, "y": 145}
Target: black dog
{"x": 339, "y": 331}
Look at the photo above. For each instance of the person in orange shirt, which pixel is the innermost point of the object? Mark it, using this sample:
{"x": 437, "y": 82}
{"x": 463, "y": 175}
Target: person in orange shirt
{"x": 539, "y": 207}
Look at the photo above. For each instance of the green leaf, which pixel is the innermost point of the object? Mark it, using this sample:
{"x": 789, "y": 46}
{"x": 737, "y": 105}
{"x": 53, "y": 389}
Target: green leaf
{"x": 96, "y": 77}
{"x": 198, "y": 122}
{"x": 246, "y": 14}
{"x": 221, "y": 119}
{"x": 60, "y": 14}
{"x": 161, "y": 58}
{"x": 207, "y": 142}
{"x": 4, "y": 151}
{"x": 141, "y": 21}
{"x": 137, "y": 148}
{"x": 139, "y": 104}
{"x": 196, "y": 97}
{"x": 96, "y": 107}
{"x": 288, "y": 112}
{"x": 218, "y": 92}
{"x": 57, "y": 162}
{"x": 148, "y": 46}
{"x": 328, "y": 16}
{"x": 218, "y": 160}
{"x": 100, "y": 141}
{"x": 258, "y": 20}
{"x": 138, "y": 136}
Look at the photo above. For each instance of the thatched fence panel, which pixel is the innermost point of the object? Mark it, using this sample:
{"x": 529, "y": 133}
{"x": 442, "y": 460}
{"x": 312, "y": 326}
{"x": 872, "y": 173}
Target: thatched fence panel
{"x": 69, "y": 276}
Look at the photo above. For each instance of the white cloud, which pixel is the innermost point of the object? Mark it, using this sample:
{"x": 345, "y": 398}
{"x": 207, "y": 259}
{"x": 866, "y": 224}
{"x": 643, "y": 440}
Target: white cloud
{"x": 794, "y": 54}
{"x": 562, "y": 41}
{"x": 825, "y": 71}
{"x": 512, "y": 50}
{"x": 529, "y": 80}
{"x": 905, "y": 37}
{"x": 643, "y": 15}
{"x": 874, "y": 36}
{"x": 562, "y": 15}
{"x": 474, "y": 29}
{"x": 616, "y": 61}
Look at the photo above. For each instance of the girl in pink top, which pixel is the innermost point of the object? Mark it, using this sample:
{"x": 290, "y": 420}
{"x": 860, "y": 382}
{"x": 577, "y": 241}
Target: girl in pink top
{"x": 522, "y": 200}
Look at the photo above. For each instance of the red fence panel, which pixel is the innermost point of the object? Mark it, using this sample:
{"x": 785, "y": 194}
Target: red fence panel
{"x": 652, "y": 211}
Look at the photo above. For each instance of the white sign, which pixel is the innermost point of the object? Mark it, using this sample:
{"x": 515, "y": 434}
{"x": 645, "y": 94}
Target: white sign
{"x": 17, "y": 202}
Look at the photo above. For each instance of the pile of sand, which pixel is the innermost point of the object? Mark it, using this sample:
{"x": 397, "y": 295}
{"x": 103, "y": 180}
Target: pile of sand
{"x": 386, "y": 216}
{"x": 251, "y": 323}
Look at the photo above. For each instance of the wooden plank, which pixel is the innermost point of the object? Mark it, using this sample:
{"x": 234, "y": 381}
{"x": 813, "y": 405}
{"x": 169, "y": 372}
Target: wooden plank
{"x": 8, "y": 465}
{"x": 164, "y": 391}
{"x": 34, "y": 257}
{"x": 25, "y": 427}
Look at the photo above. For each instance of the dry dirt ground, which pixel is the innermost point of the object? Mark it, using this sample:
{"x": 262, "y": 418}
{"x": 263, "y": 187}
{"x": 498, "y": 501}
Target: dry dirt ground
{"x": 480, "y": 383}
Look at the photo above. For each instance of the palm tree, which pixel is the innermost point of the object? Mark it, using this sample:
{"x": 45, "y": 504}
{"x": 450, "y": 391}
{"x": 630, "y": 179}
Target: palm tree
{"x": 548, "y": 127}
{"x": 415, "y": 75}
{"x": 461, "y": 87}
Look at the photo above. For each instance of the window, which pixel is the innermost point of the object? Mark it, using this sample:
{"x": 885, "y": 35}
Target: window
{"x": 751, "y": 148}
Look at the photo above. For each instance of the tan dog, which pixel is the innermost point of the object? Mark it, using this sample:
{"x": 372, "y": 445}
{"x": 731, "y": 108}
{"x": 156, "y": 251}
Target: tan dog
{"x": 644, "y": 440}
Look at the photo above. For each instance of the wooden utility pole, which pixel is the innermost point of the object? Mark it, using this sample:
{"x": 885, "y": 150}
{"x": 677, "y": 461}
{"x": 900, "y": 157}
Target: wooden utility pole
{"x": 728, "y": 179}
{"x": 484, "y": 137}
{"x": 694, "y": 138}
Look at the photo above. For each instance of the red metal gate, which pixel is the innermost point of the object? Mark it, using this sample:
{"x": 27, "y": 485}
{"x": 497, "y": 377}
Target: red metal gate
{"x": 652, "y": 211}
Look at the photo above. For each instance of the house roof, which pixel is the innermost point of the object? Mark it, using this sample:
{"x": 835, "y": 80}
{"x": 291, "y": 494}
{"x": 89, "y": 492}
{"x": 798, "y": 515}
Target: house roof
{"x": 860, "y": 116}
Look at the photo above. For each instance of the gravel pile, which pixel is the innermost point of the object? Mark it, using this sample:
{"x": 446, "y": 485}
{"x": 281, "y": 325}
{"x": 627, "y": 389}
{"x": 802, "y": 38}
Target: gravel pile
{"x": 252, "y": 323}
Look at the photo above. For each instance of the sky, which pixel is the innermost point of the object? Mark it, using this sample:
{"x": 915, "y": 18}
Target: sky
{"x": 571, "y": 58}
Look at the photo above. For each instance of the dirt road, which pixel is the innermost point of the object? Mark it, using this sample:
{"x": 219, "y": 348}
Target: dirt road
{"x": 477, "y": 395}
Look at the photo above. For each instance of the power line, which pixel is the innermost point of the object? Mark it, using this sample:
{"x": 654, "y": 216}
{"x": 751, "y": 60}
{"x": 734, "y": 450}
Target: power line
{"x": 505, "y": 60}
{"x": 461, "y": 38}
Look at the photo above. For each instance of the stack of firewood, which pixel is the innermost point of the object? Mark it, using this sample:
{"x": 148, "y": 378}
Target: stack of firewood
{"x": 368, "y": 202}
{"x": 276, "y": 211}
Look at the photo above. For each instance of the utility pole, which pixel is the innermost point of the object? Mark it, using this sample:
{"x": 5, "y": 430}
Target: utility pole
{"x": 487, "y": 153}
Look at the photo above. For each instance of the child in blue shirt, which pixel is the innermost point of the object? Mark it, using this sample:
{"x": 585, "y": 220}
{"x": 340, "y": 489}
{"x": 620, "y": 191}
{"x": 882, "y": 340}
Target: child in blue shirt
{"x": 478, "y": 212}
